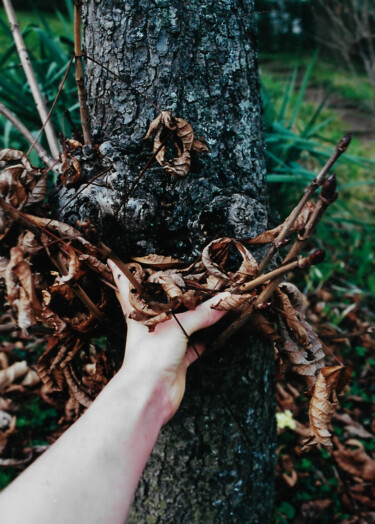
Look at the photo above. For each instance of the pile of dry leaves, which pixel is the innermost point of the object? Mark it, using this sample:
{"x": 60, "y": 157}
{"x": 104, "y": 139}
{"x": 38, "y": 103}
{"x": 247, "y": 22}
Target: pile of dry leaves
{"x": 342, "y": 487}
{"x": 57, "y": 279}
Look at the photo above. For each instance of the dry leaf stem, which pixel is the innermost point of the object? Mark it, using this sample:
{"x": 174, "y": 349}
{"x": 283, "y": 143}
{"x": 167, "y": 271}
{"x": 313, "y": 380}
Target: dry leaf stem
{"x": 78, "y": 291}
{"x": 247, "y": 311}
{"x": 142, "y": 172}
{"x": 41, "y": 152}
{"x": 82, "y": 93}
{"x": 30, "y": 75}
{"x": 318, "y": 181}
{"x": 327, "y": 196}
{"x": 122, "y": 79}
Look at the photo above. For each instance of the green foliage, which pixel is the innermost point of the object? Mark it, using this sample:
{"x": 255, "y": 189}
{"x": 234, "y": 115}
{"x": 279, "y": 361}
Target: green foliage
{"x": 300, "y": 136}
{"x": 36, "y": 420}
{"x": 49, "y": 54}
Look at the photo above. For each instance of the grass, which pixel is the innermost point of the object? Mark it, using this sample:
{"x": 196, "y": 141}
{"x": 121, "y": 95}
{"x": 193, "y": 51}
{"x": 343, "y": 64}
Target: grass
{"x": 49, "y": 39}
{"x": 301, "y": 133}
{"x": 327, "y": 74}
{"x": 27, "y": 19}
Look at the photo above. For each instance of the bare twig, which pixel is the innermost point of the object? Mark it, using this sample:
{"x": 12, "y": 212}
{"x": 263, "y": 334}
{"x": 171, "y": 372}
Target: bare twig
{"x": 82, "y": 93}
{"x": 246, "y": 313}
{"x": 121, "y": 78}
{"x": 34, "y": 143}
{"x": 301, "y": 263}
{"x": 142, "y": 172}
{"x": 41, "y": 152}
{"x": 340, "y": 149}
{"x": 30, "y": 75}
{"x": 327, "y": 196}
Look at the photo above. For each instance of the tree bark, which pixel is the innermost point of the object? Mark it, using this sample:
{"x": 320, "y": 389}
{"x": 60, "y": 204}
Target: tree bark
{"x": 197, "y": 59}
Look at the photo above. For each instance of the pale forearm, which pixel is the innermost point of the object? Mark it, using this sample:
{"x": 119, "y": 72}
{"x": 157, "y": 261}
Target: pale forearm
{"x": 90, "y": 474}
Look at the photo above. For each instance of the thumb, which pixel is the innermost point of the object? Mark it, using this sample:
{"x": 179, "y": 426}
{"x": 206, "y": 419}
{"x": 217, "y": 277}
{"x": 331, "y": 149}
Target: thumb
{"x": 202, "y": 316}
{"x": 122, "y": 284}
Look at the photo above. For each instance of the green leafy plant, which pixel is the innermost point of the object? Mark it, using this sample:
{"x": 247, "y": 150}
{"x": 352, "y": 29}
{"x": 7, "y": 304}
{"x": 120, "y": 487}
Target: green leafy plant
{"x": 50, "y": 55}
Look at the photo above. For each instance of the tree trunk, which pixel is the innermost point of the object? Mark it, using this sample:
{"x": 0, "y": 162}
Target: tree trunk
{"x": 214, "y": 461}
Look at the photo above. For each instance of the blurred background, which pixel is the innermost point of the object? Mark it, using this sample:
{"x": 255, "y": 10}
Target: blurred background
{"x": 317, "y": 69}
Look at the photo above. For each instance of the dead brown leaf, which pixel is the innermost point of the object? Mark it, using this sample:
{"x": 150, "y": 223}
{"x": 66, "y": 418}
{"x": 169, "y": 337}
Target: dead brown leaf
{"x": 12, "y": 373}
{"x": 356, "y": 461}
{"x": 158, "y": 261}
{"x": 323, "y": 405}
{"x": 164, "y": 127}
{"x": 269, "y": 236}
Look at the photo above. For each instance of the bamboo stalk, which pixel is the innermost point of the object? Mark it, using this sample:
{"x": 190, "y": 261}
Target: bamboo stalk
{"x": 82, "y": 93}
{"x": 30, "y": 75}
{"x": 341, "y": 147}
{"x": 41, "y": 152}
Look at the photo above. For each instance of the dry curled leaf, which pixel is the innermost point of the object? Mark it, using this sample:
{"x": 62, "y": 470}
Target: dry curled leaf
{"x": 297, "y": 344}
{"x": 323, "y": 405}
{"x": 217, "y": 248}
{"x": 71, "y": 169}
{"x": 70, "y": 273}
{"x": 164, "y": 127}
{"x": 158, "y": 261}
{"x": 356, "y": 461}
{"x": 76, "y": 389}
{"x": 12, "y": 373}
{"x": 249, "y": 266}
{"x": 270, "y": 235}
{"x": 21, "y": 185}
{"x": 233, "y": 302}
{"x": 291, "y": 317}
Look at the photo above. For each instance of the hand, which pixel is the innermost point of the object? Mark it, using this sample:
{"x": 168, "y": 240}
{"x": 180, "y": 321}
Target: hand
{"x": 163, "y": 356}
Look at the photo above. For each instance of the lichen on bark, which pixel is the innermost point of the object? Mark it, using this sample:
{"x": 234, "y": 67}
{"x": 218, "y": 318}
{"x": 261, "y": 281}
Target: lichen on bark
{"x": 197, "y": 59}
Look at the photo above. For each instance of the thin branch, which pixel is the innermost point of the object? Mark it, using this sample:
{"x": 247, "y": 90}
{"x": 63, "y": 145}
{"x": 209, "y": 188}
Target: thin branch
{"x": 246, "y": 313}
{"x": 327, "y": 196}
{"x": 318, "y": 181}
{"x": 301, "y": 263}
{"x": 101, "y": 173}
{"x": 122, "y": 78}
{"x": 41, "y": 152}
{"x": 30, "y": 75}
{"x": 82, "y": 93}
{"x": 142, "y": 172}
{"x": 34, "y": 143}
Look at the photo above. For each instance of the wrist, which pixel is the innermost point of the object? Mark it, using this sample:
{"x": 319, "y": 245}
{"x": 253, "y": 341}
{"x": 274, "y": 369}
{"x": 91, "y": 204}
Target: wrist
{"x": 145, "y": 392}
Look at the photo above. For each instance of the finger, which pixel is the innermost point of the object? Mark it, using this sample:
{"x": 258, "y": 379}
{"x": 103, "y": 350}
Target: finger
{"x": 202, "y": 316}
{"x": 122, "y": 284}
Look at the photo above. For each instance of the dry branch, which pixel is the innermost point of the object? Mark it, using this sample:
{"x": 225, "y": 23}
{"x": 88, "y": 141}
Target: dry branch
{"x": 82, "y": 93}
{"x": 318, "y": 181}
{"x": 30, "y": 75}
{"x": 41, "y": 152}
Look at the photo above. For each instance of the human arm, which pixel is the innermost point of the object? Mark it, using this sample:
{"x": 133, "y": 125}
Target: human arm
{"x": 90, "y": 474}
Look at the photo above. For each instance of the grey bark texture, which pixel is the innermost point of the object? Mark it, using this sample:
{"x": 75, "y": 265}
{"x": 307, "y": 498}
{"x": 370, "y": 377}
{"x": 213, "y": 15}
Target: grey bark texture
{"x": 197, "y": 59}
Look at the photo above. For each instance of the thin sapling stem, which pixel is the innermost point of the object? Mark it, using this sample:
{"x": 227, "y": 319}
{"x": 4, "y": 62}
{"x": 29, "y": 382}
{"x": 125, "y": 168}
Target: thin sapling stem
{"x": 318, "y": 181}
{"x": 82, "y": 93}
{"x": 31, "y": 78}
{"x": 41, "y": 152}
